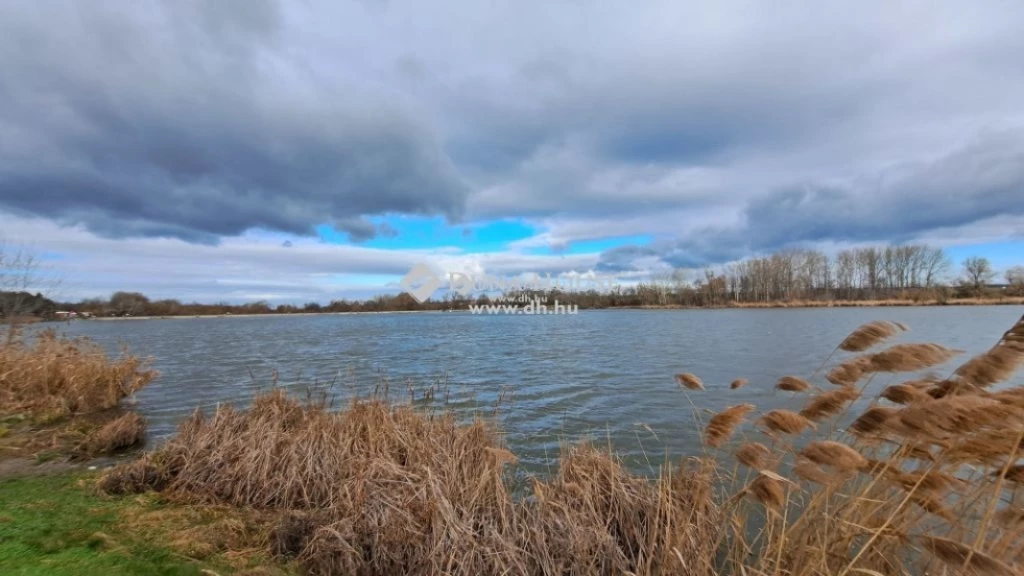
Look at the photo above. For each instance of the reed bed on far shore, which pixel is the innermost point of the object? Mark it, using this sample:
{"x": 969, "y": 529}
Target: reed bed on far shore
{"x": 923, "y": 481}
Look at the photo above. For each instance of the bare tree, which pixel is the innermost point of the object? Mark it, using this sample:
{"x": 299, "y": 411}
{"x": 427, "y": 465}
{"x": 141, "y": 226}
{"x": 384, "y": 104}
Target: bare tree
{"x": 128, "y": 303}
{"x": 936, "y": 265}
{"x": 1015, "y": 278}
{"x": 977, "y": 272}
{"x": 1015, "y": 275}
{"x": 25, "y": 283}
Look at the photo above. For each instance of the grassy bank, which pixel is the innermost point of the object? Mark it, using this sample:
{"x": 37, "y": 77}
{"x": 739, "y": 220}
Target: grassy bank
{"x": 60, "y": 526}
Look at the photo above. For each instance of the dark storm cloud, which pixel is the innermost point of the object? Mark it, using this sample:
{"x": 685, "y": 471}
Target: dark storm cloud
{"x": 982, "y": 181}
{"x": 171, "y": 120}
{"x": 718, "y": 127}
{"x": 625, "y": 258}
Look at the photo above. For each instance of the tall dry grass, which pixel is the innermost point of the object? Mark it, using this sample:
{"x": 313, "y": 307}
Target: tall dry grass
{"x": 380, "y": 489}
{"x": 70, "y": 389}
{"x": 52, "y": 376}
{"x": 923, "y": 480}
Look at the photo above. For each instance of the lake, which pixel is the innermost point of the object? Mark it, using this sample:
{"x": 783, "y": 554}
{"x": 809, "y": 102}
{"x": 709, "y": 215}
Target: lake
{"x": 603, "y": 374}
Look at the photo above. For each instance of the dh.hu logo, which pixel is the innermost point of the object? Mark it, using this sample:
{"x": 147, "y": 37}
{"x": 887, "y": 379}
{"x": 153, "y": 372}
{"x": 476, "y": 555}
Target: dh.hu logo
{"x": 420, "y": 282}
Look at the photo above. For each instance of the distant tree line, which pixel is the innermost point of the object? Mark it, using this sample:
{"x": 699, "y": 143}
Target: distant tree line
{"x": 913, "y": 272}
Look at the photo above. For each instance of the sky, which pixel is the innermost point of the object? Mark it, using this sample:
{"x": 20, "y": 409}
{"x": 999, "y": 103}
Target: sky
{"x": 305, "y": 150}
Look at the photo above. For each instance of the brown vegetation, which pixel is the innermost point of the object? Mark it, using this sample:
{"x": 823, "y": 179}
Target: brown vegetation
{"x": 869, "y": 335}
{"x": 126, "y": 431}
{"x": 793, "y": 384}
{"x": 925, "y": 486}
{"x": 381, "y": 489}
{"x": 923, "y": 481}
{"x": 58, "y": 377}
{"x": 62, "y": 396}
{"x": 690, "y": 381}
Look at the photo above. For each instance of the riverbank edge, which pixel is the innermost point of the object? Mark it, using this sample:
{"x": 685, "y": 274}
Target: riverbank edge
{"x": 1008, "y": 301}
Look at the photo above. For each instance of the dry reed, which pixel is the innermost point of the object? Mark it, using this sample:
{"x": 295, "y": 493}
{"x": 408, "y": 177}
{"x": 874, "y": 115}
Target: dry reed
{"x": 753, "y": 454}
{"x": 126, "y": 431}
{"x": 690, "y": 381}
{"x": 909, "y": 357}
{"x": 54, "y": 377}
{"x": 768, "y": 491}
{"x": 905, "y": 394}
{"x": 834, "y": 454}
{"x": 738, "y": 383}
{"x": 870, "y": 334}
{"x": 849, "y": 372}
{"x": 827, "y": 404}
{"x": 377, "y": 489}
{"x": 960, "y": 557}
{"x": 722, "y": 425}
{"x": 792, "y": 384}
{"x": 785, "y": 422}
{"x": 937, "y": 474}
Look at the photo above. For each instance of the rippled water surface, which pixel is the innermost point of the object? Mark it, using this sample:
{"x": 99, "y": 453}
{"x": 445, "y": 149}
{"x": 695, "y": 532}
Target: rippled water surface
{"x": 599, "y": 374}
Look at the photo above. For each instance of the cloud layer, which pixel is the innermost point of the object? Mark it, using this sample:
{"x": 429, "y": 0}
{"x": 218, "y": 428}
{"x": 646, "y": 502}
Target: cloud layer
{"x": 721, "y": 130}
{"x": 190, "y": 120}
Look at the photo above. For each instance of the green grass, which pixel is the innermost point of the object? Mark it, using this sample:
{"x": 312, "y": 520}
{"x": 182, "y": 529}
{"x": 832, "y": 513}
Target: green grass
{"x": 57, "y": 526}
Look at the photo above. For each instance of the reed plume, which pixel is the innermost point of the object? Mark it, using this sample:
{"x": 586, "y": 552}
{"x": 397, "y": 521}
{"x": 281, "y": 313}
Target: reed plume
{"x": 870, "y": 334}
{"x": 988, "y": 447}
{"x": 811, "y": 472}
{"x": 962, "y": 557}
{"x": 849, "y": 372}
{"x": 872, "y": 420}
{"x": 910, "y": 357}
{"x": 827, "y": 404}
{"x": 738, "y": 383}
{"x": 690, "y": 381}
{"x": 722, "y": 425}
{"x": 792, "y": 384}
{"x": 753, "y": 454}
{"x": 834, "y": 454}
{"x": 768, "y": 491}
{"x": 993, "y": 366}
{"x": 954, "y": 415}
{"x": 905, "y": 394}
{"x": 945, "y": 388}
{"x": 999, "y": 362}
{"x": 931, "y": 481}
{"x": 786, "y": 422}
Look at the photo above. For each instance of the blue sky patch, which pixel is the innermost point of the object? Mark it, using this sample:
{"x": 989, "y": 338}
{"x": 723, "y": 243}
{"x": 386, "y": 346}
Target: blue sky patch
{"x": 412, "y": 233}
{"x": 1001, "y": 254}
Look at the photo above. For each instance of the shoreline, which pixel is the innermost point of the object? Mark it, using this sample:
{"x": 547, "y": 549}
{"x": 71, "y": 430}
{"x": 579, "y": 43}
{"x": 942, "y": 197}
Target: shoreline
{"x": 1008, "y": 301}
